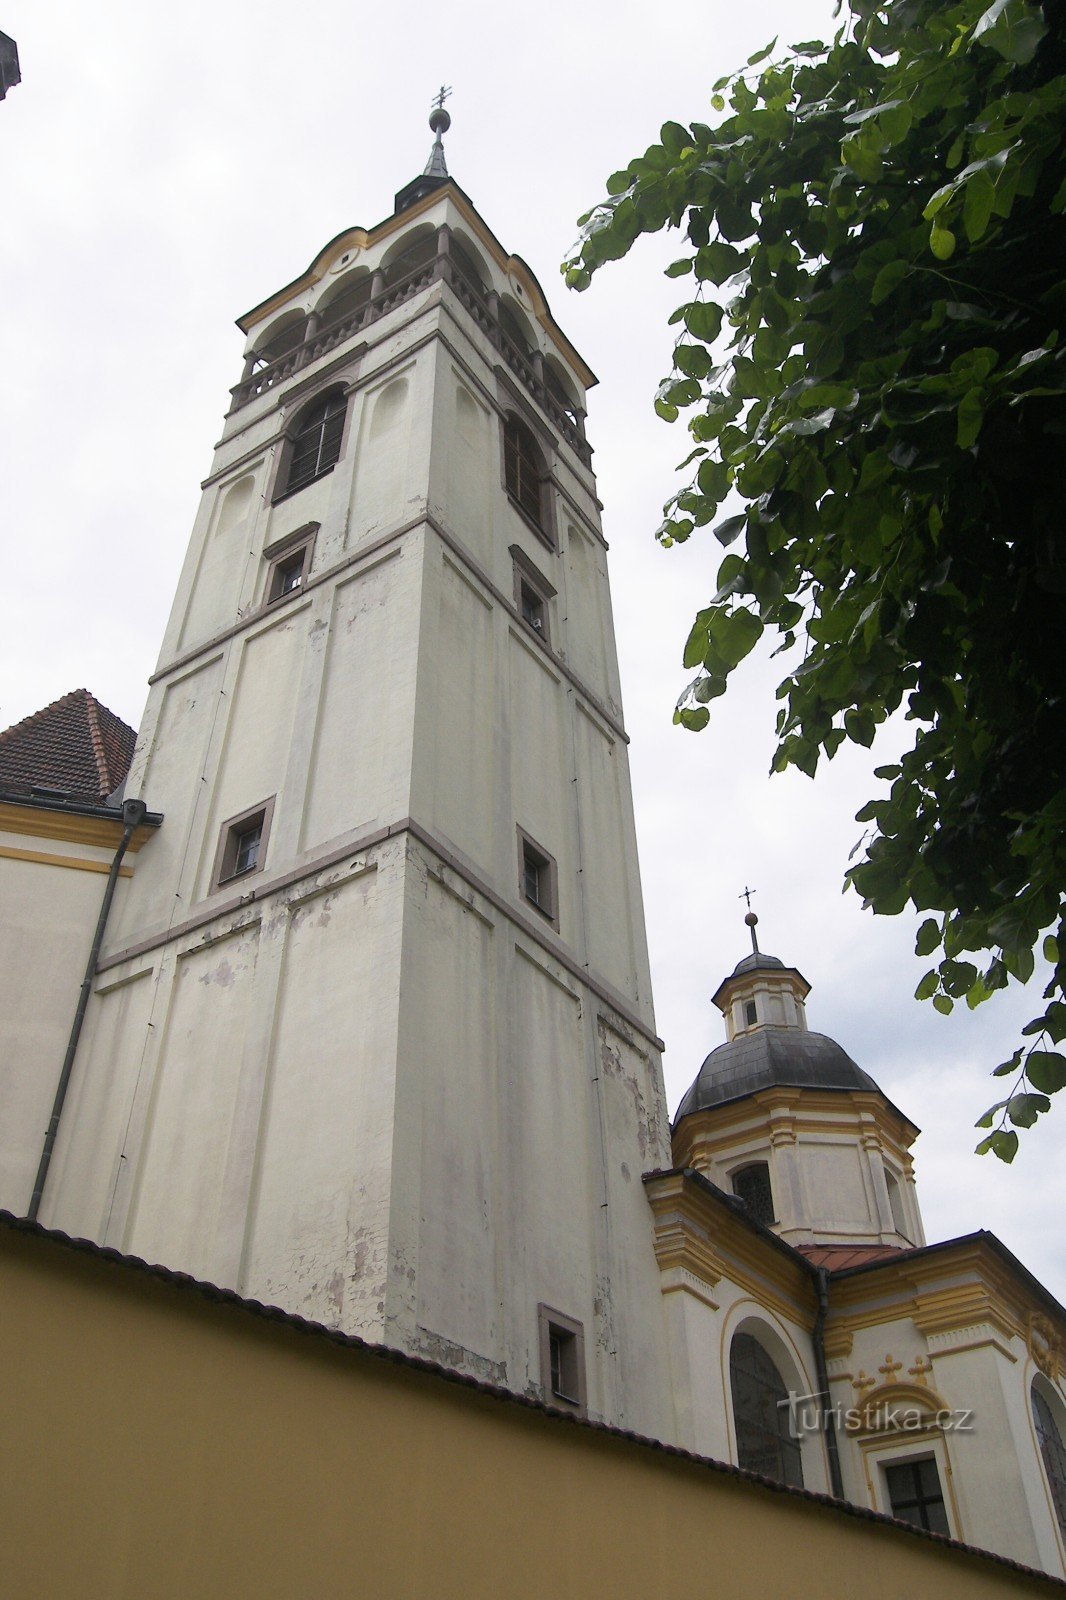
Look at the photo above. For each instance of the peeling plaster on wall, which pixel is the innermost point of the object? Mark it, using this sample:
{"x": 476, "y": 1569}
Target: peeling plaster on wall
{"x": 611, "y": 1059}
{"x": 456, "y": 1356}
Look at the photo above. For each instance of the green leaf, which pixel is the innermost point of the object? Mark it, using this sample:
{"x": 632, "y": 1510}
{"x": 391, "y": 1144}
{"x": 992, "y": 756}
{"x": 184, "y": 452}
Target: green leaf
{"x": 971, "y": 414}
{"x": 703, "y": 320}
{"x": 731, "y": 528}
{"x": 761, "y": 55}
{"x": 944, "y": 1004}
{"x": 696, "y": 644}
{"x": 678, "y": 269}
{"x": 888, "y": 280}
{"x": 734, "y": 634}
{"x": 928, "y": 937}
{"x": 1023, "y": 1109}
{"x": 928, "y": 986}
{"x": 860, "y": 727}
{"x": 1050, "y": 949}
{"x": 941, "y": 242}
{"x": 1046, "y": 1070}
{"x": 977, "y": 205}
{"x": 694, "y": 720}
{"x": 1013, "y": 28}
{"x": 715, "y": 262}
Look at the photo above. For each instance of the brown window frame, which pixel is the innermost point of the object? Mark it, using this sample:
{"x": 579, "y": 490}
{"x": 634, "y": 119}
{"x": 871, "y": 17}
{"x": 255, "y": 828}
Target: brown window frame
{"x": 546, "y": 903}
{"x": 528, "y": 578}
{"x": 232, "y": 831}
{"x": 283, "y": 556}
{"x": 561, "y": 1340}
{"x": 316, "y": 416}
{"x": 526, "y": 476}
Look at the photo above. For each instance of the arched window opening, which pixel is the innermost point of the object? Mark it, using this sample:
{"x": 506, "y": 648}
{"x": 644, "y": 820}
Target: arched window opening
{"x": 752, "y": 1185}
{"x": 761, "y": 1414}
{"x": 895, "y": 1200}
{"x": 524, "y": 469}
{"x": 351, "y": 297}
{"x": 1052, "y": 1453}
{"x": 516, "y": 329}
{"x": 316, "y": 445}
{"x": 560, "y": 391}
{"x": 419, "y": 252}
{"x": 469, "y": 264}
{"x": 281, "y": 339}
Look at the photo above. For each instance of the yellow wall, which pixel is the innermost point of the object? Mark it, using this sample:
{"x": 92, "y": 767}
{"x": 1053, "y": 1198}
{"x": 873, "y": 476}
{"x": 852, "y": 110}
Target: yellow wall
{"x": 157, "y": 1443}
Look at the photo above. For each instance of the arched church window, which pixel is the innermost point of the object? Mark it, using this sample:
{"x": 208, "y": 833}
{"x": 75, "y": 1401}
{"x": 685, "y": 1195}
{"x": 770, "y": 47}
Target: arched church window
{"x": 1052, "y": 1453}
{"x": 752, "y": 1185}
{"x": 524, "y": 470}
{"x": 316, "y": 444}
{"x": 761, "y": 1414}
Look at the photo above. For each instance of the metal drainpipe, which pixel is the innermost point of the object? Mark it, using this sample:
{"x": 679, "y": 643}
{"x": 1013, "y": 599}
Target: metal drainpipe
{"x": 133, "y": 814}
{"x": 823, "y": 1384}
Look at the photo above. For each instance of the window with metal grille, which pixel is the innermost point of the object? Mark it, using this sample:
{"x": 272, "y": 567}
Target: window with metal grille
{"x": 914, "y": 1494}
{"x": 524, "y": 470}
{"x": 761, "y": 1414}
{"x": 752, "y": 1185}
{"x": 1052, "y": 1453}
{"x": 316, "y": 445}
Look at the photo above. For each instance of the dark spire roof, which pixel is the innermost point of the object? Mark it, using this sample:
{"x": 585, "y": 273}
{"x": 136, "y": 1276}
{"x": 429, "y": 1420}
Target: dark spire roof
{"x": 75, "y": 746}
{"x": 435, "y": 171}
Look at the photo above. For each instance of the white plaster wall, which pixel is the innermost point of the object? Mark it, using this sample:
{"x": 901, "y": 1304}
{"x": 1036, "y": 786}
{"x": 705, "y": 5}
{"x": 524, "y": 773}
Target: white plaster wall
{"x": 86, "y": 1167}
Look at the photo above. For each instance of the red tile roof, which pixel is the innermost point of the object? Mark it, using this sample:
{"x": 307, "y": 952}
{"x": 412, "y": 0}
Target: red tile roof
{"x": 838, "y": 1256}
{"x": 76, "y": 745}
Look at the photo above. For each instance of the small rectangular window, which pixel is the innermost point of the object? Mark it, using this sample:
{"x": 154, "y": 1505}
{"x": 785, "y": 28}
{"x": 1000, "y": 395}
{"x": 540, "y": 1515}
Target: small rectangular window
{"x": 242, "y": 844}
{"x": 562, "y": 1359}
{"x": 288, "y": 564}
{"x": 533, "y": 595}
{"x": 751, "y": 1015}
{"x": 538, "y": 878}
{"x": 915, "y": 1495}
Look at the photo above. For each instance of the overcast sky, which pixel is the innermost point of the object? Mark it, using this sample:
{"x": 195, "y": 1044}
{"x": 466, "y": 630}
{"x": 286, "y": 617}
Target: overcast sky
{"x": 164, "y": 169}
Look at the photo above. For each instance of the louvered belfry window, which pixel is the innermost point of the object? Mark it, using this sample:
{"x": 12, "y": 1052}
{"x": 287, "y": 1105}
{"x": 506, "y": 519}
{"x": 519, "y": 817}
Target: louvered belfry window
{"x": 317, "y": 444}
{"x": 522, "y": 469}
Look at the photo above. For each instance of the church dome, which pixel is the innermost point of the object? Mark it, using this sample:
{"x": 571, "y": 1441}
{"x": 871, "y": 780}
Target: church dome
{"x": 770, "y": 1057}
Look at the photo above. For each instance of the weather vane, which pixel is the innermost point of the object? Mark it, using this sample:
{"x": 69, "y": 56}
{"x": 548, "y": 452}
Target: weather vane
{"x": 439, "y": 98}
{"x": 749, "y": 916}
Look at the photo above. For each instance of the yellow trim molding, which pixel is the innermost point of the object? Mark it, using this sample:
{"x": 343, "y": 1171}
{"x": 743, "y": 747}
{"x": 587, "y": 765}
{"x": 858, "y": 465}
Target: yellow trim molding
{"x": 45, "y": 858}
{"x": 68, "y": 825}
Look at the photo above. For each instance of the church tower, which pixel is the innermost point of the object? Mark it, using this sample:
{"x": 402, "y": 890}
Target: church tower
{"x": 371, "y": 1036}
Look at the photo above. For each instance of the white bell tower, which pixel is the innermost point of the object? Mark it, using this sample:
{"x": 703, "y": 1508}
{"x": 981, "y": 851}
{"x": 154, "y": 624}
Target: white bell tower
{"x": 372, "y": 1034}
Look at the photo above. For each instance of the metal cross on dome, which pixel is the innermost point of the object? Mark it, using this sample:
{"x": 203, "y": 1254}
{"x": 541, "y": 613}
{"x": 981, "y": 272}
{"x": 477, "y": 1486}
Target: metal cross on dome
{"x": 749, "y": 917}
{"x": 437, "y": 103}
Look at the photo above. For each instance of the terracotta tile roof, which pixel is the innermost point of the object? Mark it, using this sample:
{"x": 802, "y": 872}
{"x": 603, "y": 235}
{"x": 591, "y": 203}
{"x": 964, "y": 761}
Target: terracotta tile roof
{"x": 75, "y": 745}
{"x": 839, "y": 1256}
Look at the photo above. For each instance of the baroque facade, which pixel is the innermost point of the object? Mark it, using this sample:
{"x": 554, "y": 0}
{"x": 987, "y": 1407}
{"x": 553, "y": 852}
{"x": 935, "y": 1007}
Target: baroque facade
{"x": 366, "y": 1030}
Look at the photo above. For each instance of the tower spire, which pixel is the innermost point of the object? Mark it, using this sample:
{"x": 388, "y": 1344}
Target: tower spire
{"x": 440, "y": 122}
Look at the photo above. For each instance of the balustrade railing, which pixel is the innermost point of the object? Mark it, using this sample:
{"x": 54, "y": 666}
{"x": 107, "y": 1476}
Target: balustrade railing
{"x": 473, "y": 297}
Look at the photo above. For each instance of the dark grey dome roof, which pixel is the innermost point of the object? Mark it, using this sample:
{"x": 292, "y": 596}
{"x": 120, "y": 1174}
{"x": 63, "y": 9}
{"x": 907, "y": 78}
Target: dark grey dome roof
{"x": 758, "y": 961}
{"x": 789, "y": 1057}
